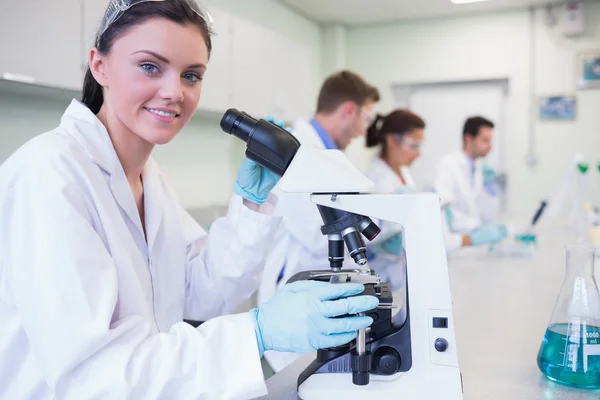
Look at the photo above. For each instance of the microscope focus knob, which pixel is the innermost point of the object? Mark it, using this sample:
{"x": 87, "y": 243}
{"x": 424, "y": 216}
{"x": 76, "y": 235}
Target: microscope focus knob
{"x": 441, "y": 345}
{"x": 387, "y": 360}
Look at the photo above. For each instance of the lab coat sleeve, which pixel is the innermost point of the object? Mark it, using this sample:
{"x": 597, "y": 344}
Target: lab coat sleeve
{"x": 452, "y": 240}
{"x": 64, "y": 285}
{"x": 225, "y": 267}
{"x": 488, "y": 206}
{"x": 445, "y": 186}
{"x": 302, "y": 220}
{"x": 444, "y": 182}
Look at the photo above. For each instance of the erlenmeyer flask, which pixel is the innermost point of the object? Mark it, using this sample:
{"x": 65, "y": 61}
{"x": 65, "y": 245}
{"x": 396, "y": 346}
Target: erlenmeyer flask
{"x": 570, "y": 350}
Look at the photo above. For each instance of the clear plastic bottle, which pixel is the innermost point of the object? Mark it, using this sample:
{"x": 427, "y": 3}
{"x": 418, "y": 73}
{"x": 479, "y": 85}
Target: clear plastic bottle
{"x": 570, "y": 350}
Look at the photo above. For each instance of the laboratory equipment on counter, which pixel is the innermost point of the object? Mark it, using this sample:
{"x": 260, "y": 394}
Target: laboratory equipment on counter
{"x": 597, "y": 207}
{"x": 537, "y": 215}
{"x": 570, "y": 350}
{"x": 410, "y": 350}
{"x": 574, "y": 187}
{"x": 582, "y": 225}
{"x": 522, "y": 243}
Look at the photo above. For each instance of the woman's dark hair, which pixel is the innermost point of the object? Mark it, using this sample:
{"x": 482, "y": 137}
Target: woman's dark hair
{"x": 177, "y": 11}
{"x": 398, "y": 122}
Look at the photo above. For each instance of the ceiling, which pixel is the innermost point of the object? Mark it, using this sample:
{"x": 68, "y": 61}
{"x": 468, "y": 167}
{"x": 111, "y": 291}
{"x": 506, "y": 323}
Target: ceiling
{"x": 357, "y": 12}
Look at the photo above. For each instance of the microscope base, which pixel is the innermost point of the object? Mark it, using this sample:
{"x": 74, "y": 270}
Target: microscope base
{"x": 431, "y": 383}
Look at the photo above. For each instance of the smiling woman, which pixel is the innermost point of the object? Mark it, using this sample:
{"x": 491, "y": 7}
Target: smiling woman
{"x": 100, "y": 264}
{"x": 165, "y": 48}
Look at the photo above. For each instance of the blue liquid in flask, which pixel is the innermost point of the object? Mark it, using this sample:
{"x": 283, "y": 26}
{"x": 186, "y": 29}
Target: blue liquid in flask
{"x": 570, "y": 355}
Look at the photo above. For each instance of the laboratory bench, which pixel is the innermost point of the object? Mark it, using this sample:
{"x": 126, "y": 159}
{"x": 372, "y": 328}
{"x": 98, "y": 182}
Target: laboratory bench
{"x": 502, "y": 306}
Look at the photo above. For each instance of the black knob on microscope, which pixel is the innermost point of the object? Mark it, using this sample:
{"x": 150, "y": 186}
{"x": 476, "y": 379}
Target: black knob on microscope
{"x": 361, "y": 367}
{"x": 387, "y": 360}
{"x": 441, "y": 345}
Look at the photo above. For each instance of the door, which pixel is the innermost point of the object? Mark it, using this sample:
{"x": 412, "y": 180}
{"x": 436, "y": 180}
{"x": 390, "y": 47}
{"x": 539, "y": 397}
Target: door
{"x": 445, "y": 107}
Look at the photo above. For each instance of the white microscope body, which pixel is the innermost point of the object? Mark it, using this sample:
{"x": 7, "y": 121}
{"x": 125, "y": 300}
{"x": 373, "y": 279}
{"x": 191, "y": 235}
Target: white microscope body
{"x": 434, "y": 372}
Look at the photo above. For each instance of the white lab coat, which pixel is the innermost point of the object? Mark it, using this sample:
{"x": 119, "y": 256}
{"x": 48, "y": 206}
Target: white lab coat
{"x": 299, "y": 243}
{"x": 89, "y": 309}
{"x": 471, "y": 204}
{"x": 386, "y": 181}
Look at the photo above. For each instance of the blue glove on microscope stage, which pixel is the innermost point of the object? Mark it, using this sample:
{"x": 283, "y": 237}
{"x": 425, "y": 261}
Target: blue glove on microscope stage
{"x": 391, "y": 245}
{"x": 299, "y": 317}
{"x": 254, "y": 182}
{"x": 488, "y": 234}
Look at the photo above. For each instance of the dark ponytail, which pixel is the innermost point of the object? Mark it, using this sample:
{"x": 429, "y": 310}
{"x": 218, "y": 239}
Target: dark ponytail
{"x": 374, "y": 132}
{"x": 93, "y": 97}
{"x": 398, "y": 122}
{"x": 177, "y": 11}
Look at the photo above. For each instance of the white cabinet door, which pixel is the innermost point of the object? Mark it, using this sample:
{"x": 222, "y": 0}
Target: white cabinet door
{"x": 272, "y": 74}
{"x": 254, "y": 60}
{"x": 216, "y": 85}
{"x": 41, "y": 40}
{"x": 293, "y": 77}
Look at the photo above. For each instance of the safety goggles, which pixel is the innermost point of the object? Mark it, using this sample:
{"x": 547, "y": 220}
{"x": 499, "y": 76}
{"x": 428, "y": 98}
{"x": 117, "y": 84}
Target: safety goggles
{"x": 116, "y": 8}
{"x": 413, "y": 145}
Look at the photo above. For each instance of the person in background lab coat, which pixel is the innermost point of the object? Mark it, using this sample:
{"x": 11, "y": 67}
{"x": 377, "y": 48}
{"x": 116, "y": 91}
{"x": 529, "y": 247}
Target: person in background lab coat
{"x": 399, "y": 136}
{"x": 344, "y": 111}
{"x": 99, "y": 264}
{"x": 468, "y": 185}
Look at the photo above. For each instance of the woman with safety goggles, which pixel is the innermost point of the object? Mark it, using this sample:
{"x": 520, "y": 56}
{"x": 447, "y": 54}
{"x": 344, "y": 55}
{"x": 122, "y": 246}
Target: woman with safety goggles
{"x": 399, "y": 136}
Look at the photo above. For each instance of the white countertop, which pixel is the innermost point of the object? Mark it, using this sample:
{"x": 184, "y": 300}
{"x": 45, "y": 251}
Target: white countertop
{"x": 501, "y": 309}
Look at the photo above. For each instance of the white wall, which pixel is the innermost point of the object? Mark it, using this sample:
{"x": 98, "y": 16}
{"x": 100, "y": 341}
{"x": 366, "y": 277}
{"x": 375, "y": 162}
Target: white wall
{"x": 484, "y": 47}
{"x": 202, "y": 161}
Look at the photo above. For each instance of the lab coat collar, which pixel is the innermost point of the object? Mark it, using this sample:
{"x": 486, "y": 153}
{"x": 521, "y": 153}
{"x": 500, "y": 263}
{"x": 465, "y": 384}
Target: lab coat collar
{"x": 390, "y": 174}
{"x": 385, "y": 170}
{"x": 93, "y": 137}
{"x": 91, "y": 134}
{"x": 466, "y": 158}
{"x": 324, "y": 135}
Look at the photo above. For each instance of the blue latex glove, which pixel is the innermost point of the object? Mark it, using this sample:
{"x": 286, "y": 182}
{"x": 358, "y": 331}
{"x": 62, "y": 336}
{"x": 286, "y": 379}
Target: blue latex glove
{"x": 490, "y": 183}
{"x": 449, "y": 214}
{"x": 299, "y": 317}
{"x": 254, "y": 182}
{"x": 489, "y": 175}
{"x": 391, "y": 245}
{"x": 488, "y": 234}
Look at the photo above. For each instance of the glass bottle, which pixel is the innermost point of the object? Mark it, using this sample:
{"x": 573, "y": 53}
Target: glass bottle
{"x": 570, "y": 350}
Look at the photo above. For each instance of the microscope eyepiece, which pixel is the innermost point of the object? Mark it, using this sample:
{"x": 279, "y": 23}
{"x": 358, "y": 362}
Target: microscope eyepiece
{"x": 266, "y": 143}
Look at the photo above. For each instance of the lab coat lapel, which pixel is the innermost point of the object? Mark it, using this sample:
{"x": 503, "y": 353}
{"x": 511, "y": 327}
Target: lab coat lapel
{"x": 307, "y": 135}
{"x": 91, "y": 134}
{"x": 153, "y": 201}
{"x": 386, "y": 177}
{"x": 123, "y": 195}
{"x": 466, "y": 187}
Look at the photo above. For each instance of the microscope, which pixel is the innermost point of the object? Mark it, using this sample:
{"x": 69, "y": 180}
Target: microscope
{"x": 409, "y": 352}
